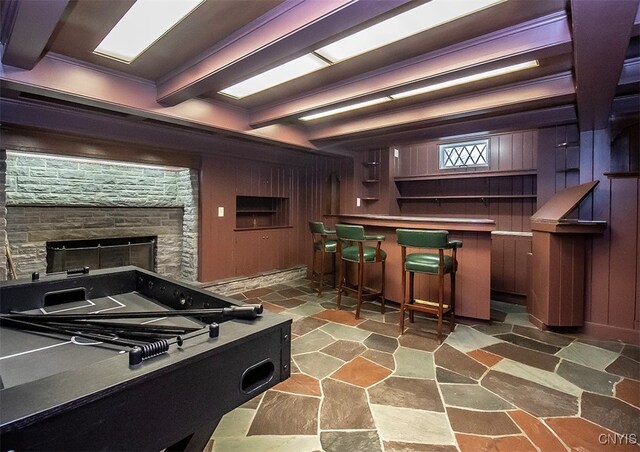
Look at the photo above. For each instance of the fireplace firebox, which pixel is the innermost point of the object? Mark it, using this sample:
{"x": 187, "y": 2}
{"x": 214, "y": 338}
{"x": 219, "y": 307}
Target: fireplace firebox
{"x": 102, "y": 253}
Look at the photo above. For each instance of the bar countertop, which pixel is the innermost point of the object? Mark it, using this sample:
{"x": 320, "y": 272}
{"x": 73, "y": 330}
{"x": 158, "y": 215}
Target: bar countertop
{"x": 454, "y": 224}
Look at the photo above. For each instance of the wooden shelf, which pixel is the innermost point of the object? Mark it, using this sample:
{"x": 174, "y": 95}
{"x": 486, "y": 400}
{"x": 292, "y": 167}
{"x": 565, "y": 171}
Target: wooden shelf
{"x": 466, "y": 175}
{"x": 257, "y": 228}
{"x": 248, "y": 212}
{"x": 435, "y": 198}
{"x": 369, "y": 199}
{"x": 630, "y": 174}
{"x": 370, "y": 181}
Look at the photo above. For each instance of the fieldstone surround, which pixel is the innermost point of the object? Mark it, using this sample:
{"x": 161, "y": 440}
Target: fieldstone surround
{"x": 54, "y": 198}
{"x": 3, "y": 214}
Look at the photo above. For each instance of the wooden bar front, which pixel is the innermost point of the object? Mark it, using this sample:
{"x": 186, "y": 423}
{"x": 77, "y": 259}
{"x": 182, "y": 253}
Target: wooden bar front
{"x": 473, "y": 279}
{"x": 558, "y": 259}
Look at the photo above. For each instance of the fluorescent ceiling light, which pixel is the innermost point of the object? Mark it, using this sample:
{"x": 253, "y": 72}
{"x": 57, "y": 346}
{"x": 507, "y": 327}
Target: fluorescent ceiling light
{"x": 467, "y": 79}
{"x": 427, "y": 89}
{"x": 279, "y": 74}
{"x": 411, "y": 22}
{"x": 144, "y": 23}
{"x": 335, "y": 111}
{"x": 416, "y": 20}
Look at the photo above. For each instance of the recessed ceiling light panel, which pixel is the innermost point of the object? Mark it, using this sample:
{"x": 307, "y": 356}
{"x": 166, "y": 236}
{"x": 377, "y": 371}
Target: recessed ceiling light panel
{"x": 144, "y": 23}
{"x": 411, "y": 22}
{"x": 288, "y": 71}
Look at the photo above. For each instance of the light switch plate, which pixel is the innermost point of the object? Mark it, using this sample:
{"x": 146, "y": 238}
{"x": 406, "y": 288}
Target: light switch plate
{"x": 221, "y": 211}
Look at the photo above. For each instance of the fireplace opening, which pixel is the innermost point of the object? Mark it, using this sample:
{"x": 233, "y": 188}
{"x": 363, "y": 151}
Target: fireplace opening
{"x": 102, "y": 253}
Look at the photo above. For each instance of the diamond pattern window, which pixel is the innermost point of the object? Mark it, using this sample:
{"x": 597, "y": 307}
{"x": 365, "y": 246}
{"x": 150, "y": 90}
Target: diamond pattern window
{"x": 464, "y": 155}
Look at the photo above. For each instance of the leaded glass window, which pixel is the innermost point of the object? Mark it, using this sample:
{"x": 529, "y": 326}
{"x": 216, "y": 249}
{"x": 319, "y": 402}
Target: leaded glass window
{"x": 464, "y": 155}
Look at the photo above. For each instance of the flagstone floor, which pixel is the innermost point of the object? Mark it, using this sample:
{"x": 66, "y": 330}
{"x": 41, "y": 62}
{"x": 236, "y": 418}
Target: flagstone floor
{"x": 504, "y": 385}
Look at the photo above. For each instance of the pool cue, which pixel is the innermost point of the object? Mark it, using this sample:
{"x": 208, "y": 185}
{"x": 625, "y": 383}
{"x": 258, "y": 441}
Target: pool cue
{"x": 96, "y": 337}
{"x": 121, "y": 333}
{"x": 238, "y": 312}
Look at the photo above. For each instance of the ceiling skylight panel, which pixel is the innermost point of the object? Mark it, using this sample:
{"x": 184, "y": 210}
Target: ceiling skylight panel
{"x": 279, "y": 74}
{"x": 144, "y": 23}
{"x": 411, "y": 22}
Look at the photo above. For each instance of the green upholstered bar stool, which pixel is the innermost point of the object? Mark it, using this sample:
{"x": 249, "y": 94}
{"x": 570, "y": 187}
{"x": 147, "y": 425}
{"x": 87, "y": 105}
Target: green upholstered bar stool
{"x": 356, "y": 251}
{"x": 437, "y": 263}
{"x": 322, "y": 245}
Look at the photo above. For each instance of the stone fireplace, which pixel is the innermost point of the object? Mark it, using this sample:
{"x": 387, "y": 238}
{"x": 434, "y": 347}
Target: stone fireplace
{"x": 54, "y": 199}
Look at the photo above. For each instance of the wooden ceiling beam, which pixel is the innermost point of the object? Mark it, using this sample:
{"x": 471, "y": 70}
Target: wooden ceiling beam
{"x": 541, "y": 38}
{"x": 601, "y": 33}
{"x": 27, "y": 26}
{"x": 554, "y": 89}
{"x": 285, "y": 32}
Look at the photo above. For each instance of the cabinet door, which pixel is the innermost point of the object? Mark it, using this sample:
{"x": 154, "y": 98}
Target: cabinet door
{"x": 249, "y": 254}
{"x": 263, "y": 250}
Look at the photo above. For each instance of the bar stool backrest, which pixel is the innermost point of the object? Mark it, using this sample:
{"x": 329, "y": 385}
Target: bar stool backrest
{"x": 317, "y": 227}
{"x": 350, "y": 232}
{"x": 423, "y": 239}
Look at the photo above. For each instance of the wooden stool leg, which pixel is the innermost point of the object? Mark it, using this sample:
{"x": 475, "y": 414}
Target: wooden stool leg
{"x": 452, "y": 303}
{"x": 411, "y": 280}
{"x": 360, "y": 284}
{"x": 440, "y": 305}
{"x": 313, "y": 267}
{"x": 382, "y": 290}
{"x": 403, "y": 301}
{"x": 341, "y": 277}
{"x": 334, "y": 269}
{"x": 322, "y": 259}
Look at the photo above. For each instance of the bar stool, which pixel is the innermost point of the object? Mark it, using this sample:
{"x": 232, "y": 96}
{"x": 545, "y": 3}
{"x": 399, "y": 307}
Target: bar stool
{"x": 323, "y": 245}
{"x": 357, "y": 252}
{"x": 437, "y": 264}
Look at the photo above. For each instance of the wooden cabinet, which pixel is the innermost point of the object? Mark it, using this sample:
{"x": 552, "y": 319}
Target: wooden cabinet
{"x": 262, "y": 250}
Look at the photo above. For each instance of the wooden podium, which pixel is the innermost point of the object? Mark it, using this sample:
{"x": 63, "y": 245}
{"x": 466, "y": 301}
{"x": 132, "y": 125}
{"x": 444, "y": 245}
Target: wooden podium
{"x": 556, "y": 295}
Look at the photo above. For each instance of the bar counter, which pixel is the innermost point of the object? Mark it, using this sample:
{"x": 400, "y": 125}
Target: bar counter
{"x": 473, "y": 279}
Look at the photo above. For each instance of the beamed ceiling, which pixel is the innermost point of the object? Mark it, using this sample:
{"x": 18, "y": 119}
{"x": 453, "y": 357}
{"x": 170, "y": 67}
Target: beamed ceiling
{"x": 588, "y": 52}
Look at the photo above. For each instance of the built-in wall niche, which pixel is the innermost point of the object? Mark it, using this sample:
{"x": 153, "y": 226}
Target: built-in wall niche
{"x": 261, "y": 212}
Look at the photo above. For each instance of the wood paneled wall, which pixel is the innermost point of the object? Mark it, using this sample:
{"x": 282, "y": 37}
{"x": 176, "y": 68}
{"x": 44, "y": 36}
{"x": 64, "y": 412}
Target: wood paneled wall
{"x": 505, "y": 191}
{"x": 612, "y": 274}
{"x": 302, "y": 179}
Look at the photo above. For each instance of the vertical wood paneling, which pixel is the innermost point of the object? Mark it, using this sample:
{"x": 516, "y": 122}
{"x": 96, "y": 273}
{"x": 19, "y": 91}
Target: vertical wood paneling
{"x": 601, "y": 244}
{"x": 623, "y": 264}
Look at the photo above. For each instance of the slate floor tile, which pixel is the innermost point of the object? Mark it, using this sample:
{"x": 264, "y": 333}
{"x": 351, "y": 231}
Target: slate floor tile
{"x": 611, "y": 413}
{"x": 348, "y": 392}
{"x": 344, "y": 350}
{"x": 286, "y": 414}
{"x": 456, "y": 361}
{"x": 473, "y": 443}
{"x": 534, "y": 398}
{"x": 528, "y": 343}
{"x": 589, "y": 379}
{"x": 344, "y": 407}
{"x": 524, "y": 355}
{"x": 629, "y": 391}
{"x": 350, "y": 441}
{"x": 588, "y": 355}
{"x": 408, "y": 393}
{"x": 413, "y": 363}
{"x": 580, "y": 434}
{"x": 361, "y": 372}
{"x": 472, "y": 396}
{"x": 496, "y": 423}
{"x": 426, "y": 427}
{"x": 536, "y": 431}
